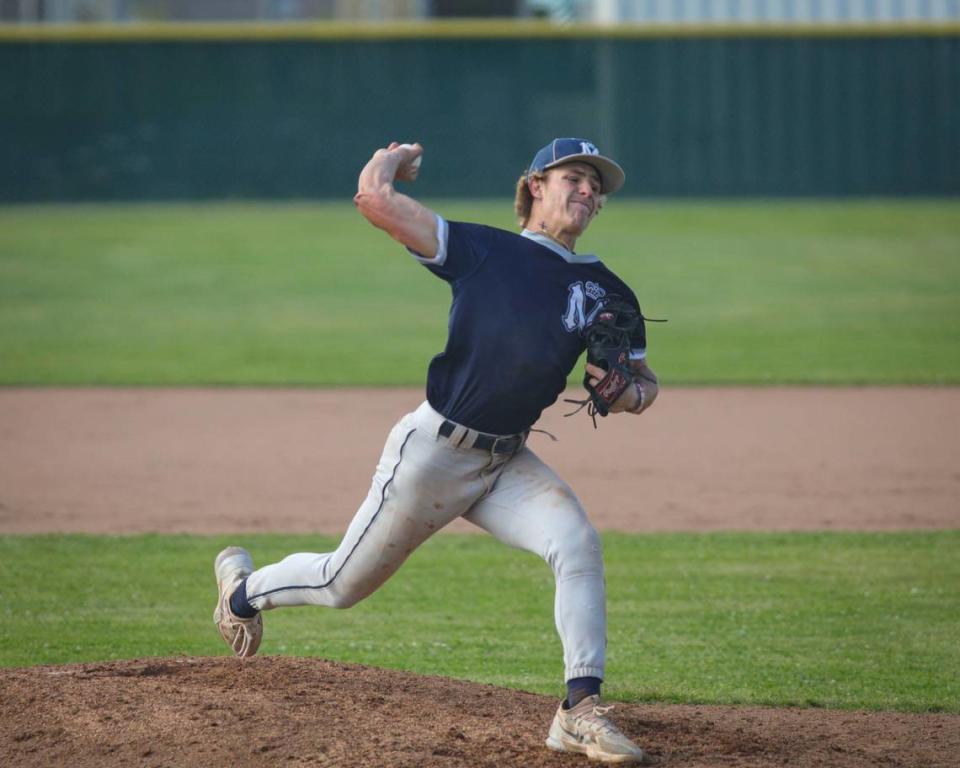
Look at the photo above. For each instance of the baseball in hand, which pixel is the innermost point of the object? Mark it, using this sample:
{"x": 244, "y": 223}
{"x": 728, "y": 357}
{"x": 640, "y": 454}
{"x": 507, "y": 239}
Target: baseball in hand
{"x": 408, "y": 171}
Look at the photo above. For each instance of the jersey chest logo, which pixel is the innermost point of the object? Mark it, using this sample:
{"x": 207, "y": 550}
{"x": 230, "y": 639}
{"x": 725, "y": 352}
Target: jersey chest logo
{"x": 577, "y": 316}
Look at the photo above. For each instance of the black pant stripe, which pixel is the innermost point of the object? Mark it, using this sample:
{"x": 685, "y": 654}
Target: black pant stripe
{"x": 383, "y": 498}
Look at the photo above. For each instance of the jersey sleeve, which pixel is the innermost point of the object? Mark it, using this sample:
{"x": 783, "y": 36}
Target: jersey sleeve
{"x": 457, "y": 253}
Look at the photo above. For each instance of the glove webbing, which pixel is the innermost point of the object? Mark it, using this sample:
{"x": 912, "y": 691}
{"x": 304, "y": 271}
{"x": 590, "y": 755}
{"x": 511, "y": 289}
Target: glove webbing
{"x": 608, "y": 347}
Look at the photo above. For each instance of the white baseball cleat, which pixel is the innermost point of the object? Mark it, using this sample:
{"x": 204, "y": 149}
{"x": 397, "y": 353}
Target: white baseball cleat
{"x": 243, "y": 636}
{"x": 586, "y": 730}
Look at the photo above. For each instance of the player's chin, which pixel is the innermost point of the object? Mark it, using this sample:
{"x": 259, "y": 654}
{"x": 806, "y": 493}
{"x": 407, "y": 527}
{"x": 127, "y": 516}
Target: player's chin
{"x": 580, "y": 218}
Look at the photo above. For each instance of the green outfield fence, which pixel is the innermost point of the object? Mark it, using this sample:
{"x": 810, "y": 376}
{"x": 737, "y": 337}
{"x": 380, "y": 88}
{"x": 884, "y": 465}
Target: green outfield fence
{"x": 232, "y": 111}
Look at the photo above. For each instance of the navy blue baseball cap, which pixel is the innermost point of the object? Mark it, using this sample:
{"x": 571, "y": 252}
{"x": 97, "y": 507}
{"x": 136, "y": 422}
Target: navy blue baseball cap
{"x": 561, "y": 151}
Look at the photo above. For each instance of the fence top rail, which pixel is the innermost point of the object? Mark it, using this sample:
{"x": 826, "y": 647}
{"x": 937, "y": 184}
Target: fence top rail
{"x": 450, "y": 29}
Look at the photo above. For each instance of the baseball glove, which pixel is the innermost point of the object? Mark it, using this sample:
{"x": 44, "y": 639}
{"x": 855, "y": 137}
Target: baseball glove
{"x": 608, "y": 347}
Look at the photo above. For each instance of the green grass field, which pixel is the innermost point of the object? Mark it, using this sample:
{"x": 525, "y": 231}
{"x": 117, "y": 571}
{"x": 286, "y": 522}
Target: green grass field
{"x": 839, "y": 620}
{"x": 308, "y": 294}
{"x": 756, "y": 292}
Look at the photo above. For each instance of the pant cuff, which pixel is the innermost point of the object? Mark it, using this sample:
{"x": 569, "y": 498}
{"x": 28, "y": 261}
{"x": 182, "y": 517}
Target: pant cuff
{"x": 574, "y": 672}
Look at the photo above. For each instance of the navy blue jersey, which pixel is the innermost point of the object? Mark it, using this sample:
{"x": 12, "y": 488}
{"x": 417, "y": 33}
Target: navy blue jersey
{"x": 520, "y": 303}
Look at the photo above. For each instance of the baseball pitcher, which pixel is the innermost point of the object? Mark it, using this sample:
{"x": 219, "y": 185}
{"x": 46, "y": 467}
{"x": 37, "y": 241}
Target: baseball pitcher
{"x": 524, "y": 308}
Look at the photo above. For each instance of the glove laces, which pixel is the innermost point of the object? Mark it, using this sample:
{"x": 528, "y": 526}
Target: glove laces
{"x": 588, "y": 404}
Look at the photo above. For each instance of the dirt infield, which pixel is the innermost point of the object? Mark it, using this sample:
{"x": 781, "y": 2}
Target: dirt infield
{"x": 171, "y": 460}
{"x": 132, "y": 460}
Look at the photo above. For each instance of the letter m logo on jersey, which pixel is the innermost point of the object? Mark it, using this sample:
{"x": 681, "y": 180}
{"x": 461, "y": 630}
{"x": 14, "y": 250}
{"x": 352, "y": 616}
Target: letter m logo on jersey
{"x": 576, "y": 317}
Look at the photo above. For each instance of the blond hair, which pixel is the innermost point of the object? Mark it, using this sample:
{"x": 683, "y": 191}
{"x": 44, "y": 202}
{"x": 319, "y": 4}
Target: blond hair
{"x": 523, "y": 201}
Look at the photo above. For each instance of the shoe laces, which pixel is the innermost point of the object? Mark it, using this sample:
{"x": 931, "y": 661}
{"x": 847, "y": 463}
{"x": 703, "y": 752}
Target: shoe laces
{"x": 242, "y": 637}
{"x": 597, "y": 719}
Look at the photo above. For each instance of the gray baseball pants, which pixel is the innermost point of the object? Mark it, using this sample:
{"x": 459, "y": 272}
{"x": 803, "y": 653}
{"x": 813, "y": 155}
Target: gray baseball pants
{"x": 423, "y": 481}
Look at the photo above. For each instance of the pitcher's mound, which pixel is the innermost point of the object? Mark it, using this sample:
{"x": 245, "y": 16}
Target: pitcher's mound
{"x": 278, "y": 711}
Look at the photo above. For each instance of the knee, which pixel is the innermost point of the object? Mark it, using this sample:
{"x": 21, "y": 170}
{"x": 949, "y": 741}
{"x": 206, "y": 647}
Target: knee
{"x": 347, "y": 595}
{"x": 576, "y": 550}
{"x": 343, "y": 600}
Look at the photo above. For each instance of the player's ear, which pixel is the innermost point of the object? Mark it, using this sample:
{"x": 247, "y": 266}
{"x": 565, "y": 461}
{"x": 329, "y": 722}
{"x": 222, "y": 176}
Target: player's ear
{"x": 535, "y": 185}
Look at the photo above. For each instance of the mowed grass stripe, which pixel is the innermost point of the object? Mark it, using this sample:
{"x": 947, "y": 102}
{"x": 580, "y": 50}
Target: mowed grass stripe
{"x": 812, "y": 619}
{"x": 839, "y": 292}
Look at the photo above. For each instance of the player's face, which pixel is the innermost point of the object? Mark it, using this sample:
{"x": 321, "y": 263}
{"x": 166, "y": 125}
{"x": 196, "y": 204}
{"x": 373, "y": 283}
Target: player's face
{"x": 571, "y": 197}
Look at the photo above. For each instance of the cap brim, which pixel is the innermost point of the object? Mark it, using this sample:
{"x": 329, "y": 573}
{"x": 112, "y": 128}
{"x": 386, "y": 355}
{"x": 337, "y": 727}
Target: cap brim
{"x": 611, "y": 174}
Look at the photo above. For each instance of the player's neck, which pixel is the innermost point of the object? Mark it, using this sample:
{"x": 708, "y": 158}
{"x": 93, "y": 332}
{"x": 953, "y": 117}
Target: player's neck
{"x": 566, "y": 239}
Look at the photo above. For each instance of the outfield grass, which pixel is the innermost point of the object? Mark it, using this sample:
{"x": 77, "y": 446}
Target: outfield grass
{"x": 829, "y": 619}
{"x": 772, "y": 292}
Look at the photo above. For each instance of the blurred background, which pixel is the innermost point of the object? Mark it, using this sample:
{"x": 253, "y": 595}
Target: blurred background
{"x": 176, "y": 180}
{"x": 212, "y": 99}
{"x": 693, "y": 11}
